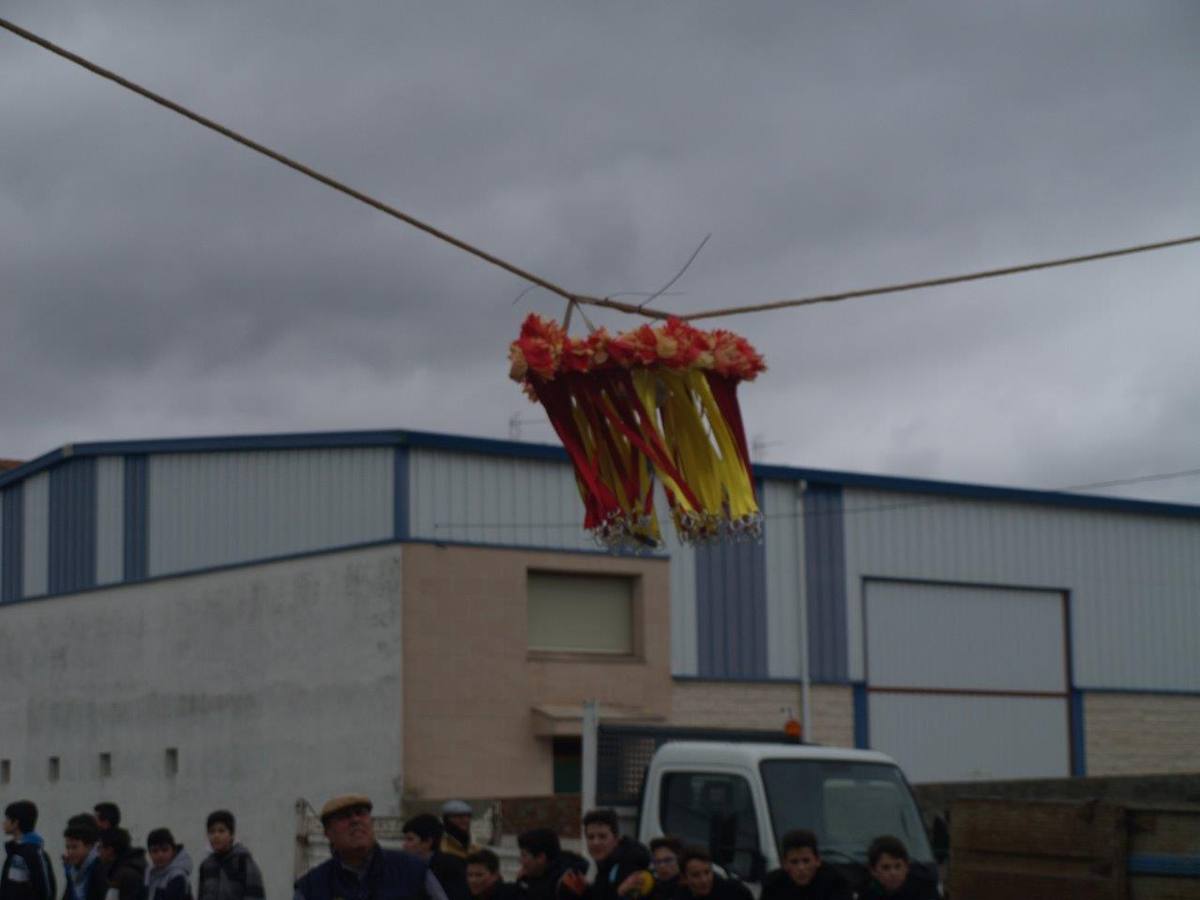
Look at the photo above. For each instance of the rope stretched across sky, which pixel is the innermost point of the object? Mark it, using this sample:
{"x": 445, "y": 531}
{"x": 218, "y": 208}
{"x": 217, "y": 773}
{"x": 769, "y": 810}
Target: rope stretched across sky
{"x": 543, "y": 283}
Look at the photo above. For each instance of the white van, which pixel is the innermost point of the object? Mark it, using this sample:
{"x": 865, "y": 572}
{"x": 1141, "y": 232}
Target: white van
{"x": 740, "y": 799}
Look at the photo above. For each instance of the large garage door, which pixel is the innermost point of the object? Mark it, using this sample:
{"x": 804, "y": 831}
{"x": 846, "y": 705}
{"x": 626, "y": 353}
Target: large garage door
{"x": 967, "y": 683}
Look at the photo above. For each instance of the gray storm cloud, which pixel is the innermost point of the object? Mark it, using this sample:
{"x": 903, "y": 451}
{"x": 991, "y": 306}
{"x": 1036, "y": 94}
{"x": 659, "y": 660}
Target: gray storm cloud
{"x": 159, "y": 280}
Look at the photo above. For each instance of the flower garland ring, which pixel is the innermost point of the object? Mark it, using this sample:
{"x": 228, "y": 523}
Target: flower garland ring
{"x": 651, "y": 404}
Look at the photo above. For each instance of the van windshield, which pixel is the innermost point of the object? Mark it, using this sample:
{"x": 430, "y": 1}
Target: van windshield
{"x": 847, "y": 804}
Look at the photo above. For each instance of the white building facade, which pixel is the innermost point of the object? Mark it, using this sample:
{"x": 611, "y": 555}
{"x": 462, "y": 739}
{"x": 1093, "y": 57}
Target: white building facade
{"x": 239, "y": 622}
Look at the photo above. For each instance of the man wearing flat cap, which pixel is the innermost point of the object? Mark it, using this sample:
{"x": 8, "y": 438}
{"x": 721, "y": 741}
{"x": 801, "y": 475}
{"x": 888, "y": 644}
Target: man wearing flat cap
{"x": 450, "y": 862}
{"x": 359, "y": 868}
{"x": 456, "y": 820}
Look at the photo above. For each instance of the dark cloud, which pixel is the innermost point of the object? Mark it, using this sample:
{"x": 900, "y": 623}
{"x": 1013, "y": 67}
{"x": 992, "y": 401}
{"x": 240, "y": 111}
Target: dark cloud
{"x": 161, "y": 280}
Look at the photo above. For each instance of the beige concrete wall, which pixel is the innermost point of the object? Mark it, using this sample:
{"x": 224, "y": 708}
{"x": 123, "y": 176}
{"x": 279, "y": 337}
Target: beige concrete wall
{"x": 1130, "y": 734}
{"x": 470, "y": 682}
{"x": 765, "y": 705}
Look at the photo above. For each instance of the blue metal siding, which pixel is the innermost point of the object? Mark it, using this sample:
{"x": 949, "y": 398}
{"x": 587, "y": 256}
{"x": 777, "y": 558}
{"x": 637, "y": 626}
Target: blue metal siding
{"x": 137, "y": 504}
{"x": 862, "y": 718}
{"x": 1078, "y": 736}
{"x": 825, "y": 583}
{"x": 12, "y": 534}
{"x": 72, "y": 531}
{"x": 400, "y": 493}
{"x": 731, "y": 609}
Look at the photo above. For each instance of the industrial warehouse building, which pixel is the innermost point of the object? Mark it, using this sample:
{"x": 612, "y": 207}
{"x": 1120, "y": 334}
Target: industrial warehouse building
{"x": 242, "y": 621}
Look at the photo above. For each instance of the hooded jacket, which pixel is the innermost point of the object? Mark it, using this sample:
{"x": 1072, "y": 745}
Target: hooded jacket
{"x": 89, "y": 881}
{"x": 172, "y": 881}
{"x": 127, "y": 874}
{"x": 233, "y": 875}
{"x": 27, "y": 873}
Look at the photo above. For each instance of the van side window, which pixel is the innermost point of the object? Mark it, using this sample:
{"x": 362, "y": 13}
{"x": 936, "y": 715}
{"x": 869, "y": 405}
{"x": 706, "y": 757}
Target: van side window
{"x": 715, "y": 810}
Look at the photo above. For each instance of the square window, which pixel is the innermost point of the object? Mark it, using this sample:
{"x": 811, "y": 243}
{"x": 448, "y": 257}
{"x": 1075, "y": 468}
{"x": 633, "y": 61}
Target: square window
{"x": 570, "y": 613}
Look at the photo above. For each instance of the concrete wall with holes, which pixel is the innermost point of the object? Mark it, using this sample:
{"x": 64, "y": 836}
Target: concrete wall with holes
{"x": 241, "y": 689}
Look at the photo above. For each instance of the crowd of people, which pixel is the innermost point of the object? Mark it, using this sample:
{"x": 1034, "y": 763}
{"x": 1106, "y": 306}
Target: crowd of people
{"x": 100, "y": 862}
{"x": 439, "y": 862}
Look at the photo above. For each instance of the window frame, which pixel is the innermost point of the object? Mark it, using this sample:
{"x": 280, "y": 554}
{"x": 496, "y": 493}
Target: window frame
{"x": 636, "y": 617}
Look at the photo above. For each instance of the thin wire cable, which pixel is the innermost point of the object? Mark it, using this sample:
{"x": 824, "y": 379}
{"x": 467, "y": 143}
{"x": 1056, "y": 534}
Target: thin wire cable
{"x": 562, "y": 292}
{"x": 392, "y": 211}
{"x": 691, "y": 259}
{"x": 948, "y": 279}
{"x": 1141, "y": 479}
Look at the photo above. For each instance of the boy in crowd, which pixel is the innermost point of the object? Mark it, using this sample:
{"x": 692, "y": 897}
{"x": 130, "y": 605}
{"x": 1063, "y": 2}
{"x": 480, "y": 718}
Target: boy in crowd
{"x": 616, "y": 857}
{"x": 422, "y": 838}
{"x": 544, "y": 863}
{"x": 125, "y": 865}
{"x": 170, "y": 874}
{"x": 802, "y": 876}
{"x": 483, "y": 878}
{"x": 27, "y": 872}
{"x": 891, "y": 874}
{"x": 108, "y": 816}
{"x": 665, "y": 852}
{"x": 86, "y": 878}
{"x": 229, "y": 872}
{"x": 701, "y": 883}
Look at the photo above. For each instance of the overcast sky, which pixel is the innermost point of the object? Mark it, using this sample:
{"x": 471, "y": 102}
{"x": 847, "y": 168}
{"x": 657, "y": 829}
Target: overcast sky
{"x": 158, "y": 280}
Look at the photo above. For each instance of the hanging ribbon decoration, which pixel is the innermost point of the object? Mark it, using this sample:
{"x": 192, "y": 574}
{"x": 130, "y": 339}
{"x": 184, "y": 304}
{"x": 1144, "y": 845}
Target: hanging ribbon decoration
{"x": 651, "y": 404}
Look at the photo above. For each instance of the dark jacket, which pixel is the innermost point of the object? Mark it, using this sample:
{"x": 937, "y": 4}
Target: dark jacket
{"x": 127, "y": 874}
{"x": 917, "y": 886}
{"x": 389, "y": 875}
{"x": 173, "y": 881}
{"x": 666, "y": 889}
{"x": 27, "y": 873}
{"x": 451, "y": 871}
{"x": 723, "y": 889}
{"x": 827, "y": 884}
{"x": 546, "y": 885}
{"x": 627, "y": 857}
{"x": 231, "y": 876}
{"x": 503, "y": 890}
{"x": 92, "y": 880}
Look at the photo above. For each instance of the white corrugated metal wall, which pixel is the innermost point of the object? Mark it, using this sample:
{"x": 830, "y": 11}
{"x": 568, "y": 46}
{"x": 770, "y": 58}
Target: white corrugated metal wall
{"x": 37, "y": 534}
{"x": 1133, "y": 627}
{"x": 219, "y": 508}
{"x": 497, "y": 500}
{"x": 968, "y": 682}
{"x": 110, "y": 519}
{"x": 784, "y": 535}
